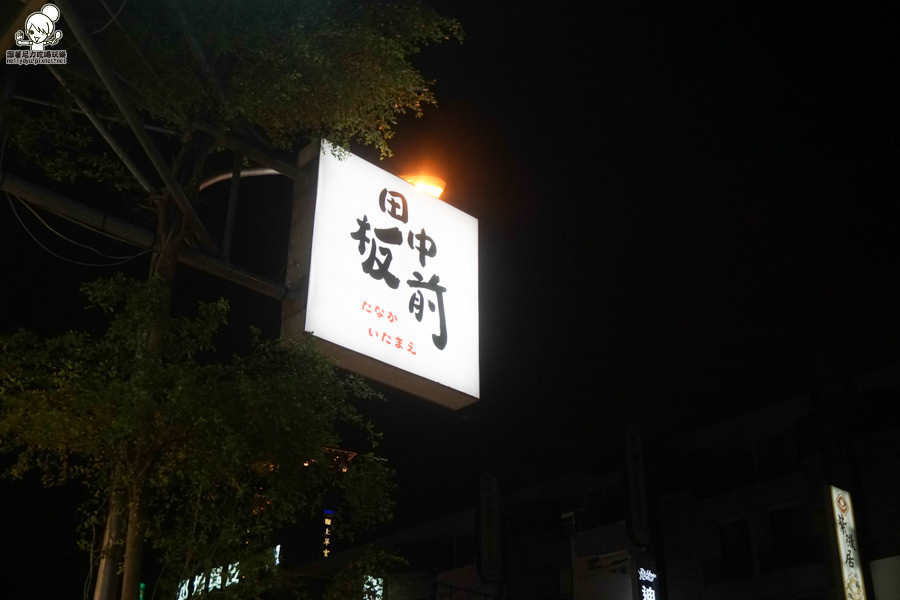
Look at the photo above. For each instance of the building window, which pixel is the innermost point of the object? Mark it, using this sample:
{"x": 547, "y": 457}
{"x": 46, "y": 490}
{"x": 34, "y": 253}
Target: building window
{"x": 793, "y": 540}
{"x": 735, "y": 561}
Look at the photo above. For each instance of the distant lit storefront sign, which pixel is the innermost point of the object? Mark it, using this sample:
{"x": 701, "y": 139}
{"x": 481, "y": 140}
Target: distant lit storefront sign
{"x": 394, "y": 279}
{"x": 218, "y": 578}
{"x": 848, "y": 545}
{"x": 647, "y": 579}
{"x": 329, "y": 522}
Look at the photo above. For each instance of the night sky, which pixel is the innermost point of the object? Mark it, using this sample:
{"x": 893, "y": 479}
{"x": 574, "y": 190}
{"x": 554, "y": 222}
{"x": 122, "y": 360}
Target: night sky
{"x": 684, "y": 214}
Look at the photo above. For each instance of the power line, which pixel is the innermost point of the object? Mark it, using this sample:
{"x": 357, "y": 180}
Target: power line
{"x": 119, "y": 260}
{"x": 112, "y": 17}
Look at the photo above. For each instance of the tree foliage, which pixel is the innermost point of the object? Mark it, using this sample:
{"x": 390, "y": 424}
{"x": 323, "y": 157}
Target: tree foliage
{"x": 198, "y": 456}
{"x": 213, "y": 451}
{"x": 283, "y": 71}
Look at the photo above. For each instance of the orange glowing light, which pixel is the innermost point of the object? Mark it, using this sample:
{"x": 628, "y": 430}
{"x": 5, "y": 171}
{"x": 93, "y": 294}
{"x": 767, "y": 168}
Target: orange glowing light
{"x": 427, "y": 183}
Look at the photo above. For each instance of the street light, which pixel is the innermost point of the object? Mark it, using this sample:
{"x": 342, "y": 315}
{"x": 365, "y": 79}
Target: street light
{"x": 427, "y": 183}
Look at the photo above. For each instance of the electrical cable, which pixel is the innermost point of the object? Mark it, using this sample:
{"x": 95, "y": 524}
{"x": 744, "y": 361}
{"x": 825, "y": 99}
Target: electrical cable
{"x": 112, "y": 17}
{"x": 94, "y": 250}
{"x": 63, "y": 258}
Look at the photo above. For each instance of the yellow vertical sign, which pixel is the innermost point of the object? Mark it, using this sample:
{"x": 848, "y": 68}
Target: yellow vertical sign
{"x": 326, "y": 543}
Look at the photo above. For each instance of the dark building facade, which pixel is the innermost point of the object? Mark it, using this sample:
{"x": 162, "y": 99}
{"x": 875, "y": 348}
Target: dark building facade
{"x": 742, "y": 506}
{"x": 736, "y": 510}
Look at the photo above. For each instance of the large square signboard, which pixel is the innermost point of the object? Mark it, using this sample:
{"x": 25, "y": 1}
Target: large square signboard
{"x": 393, "y": 283}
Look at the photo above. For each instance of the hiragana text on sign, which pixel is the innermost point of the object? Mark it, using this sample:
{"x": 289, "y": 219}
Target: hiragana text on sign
{"x": 377, "y": 245}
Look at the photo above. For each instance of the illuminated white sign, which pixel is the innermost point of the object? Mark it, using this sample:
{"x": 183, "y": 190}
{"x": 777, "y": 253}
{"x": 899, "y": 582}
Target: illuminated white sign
{"x": 217, "y": 579}
{"x": 848, "y": 545}
{"x": 394, "y": 274}
{"x": 649, "y": 586}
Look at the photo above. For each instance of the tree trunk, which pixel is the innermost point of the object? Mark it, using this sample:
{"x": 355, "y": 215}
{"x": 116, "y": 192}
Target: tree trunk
{"x": 111, "y": 549}
{"x": 171, "y": 232}
{"x": 134, "y": 545}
